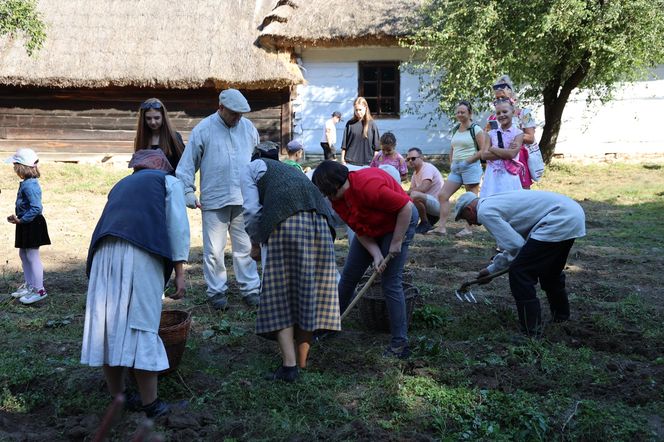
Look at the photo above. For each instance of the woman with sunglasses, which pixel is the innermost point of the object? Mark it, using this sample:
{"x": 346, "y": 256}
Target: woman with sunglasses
{"x": 361, "y": 139}
{"x": 154, "y": 131}
{"x": 523, "y": 119}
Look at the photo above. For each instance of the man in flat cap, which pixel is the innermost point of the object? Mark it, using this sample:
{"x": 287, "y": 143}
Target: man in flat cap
{"x": 535, "y": 231}
{"x": 221, "y": 146}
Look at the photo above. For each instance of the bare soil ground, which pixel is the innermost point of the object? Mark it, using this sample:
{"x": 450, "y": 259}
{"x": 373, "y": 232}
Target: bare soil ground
{"x": 610, "y": 352}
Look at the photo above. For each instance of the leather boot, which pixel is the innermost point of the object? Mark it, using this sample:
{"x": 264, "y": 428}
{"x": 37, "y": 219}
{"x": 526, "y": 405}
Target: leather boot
{"x": 559, "y": 305}
{"x": 530, "y": 317}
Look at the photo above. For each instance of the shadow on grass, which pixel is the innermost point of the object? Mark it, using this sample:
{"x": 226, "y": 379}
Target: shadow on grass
{"x": 471, "y": 376}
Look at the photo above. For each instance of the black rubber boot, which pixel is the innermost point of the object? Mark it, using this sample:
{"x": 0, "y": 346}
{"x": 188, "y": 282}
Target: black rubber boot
{"x": 559, "y": 305}
{"x": 530, "y": 317}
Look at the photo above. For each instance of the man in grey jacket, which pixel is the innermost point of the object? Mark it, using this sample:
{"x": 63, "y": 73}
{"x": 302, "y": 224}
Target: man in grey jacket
{"x": 221, "y": 146}
{"x": 535, "y": 231}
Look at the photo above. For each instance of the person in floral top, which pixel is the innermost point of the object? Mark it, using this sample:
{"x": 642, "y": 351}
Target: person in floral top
{"x": 389, "y": 155}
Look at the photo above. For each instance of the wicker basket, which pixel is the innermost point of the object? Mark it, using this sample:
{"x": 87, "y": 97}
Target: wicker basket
{"x": 373, "y": 310}
{"x": 173, "y": 331}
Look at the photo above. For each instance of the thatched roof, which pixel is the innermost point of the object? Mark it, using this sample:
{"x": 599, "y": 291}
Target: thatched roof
{"x": 326, "y": 23}
{"x": 167, "y": 43}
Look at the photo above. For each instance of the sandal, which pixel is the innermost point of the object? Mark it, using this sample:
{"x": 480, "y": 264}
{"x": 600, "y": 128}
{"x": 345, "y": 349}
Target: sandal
{"x": 463, "y": 233}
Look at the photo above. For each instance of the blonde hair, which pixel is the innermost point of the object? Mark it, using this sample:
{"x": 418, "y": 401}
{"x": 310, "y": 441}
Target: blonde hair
{"x": 168, "y": 140}
{"x": 367, "y": 115}
{"x": 25, "y": 172}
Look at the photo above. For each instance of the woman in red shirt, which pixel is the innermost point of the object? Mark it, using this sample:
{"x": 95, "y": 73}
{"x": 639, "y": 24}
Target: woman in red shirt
{"x": 380, "y": 212}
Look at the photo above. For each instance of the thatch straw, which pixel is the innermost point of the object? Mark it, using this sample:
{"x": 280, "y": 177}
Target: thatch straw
{"x": 338, "y": 23}
{"x": 168, "y": 43}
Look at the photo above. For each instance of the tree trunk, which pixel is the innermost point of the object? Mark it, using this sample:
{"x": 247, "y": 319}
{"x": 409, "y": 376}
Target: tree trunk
{"x": 553, "y": 113}
{"x": 556, "y": 93}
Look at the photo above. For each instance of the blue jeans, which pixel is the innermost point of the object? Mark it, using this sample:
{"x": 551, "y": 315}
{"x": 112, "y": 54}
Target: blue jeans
{"x": 359, "y": 260}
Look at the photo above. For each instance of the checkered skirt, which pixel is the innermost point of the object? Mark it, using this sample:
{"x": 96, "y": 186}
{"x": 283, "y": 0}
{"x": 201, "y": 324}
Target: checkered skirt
{"x": 299, "y": 277}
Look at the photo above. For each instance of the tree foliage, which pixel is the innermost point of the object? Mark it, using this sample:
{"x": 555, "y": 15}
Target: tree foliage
{"x": 550, "y": 48}
{"x": 21, "y": 18}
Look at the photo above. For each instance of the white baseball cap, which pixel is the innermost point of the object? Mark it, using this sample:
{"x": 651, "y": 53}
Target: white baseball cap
{"x": 25, "y": 156}
{"x": 233, "y": 100}
{"x": 462, "y": 203}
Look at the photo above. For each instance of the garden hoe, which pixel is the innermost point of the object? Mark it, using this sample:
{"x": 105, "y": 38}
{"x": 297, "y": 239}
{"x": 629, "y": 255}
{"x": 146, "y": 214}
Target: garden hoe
{"x": 365, "y": 288}
{"x": 465, "y": 294}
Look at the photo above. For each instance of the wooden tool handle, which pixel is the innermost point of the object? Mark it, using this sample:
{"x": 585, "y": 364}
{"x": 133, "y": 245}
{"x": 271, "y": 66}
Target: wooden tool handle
{"x": 486, "y": 278}
{"x": 365, "y": 288}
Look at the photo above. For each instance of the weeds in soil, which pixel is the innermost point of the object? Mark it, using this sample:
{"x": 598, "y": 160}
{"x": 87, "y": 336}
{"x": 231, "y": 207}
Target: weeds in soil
{"x": 598, "y": 377}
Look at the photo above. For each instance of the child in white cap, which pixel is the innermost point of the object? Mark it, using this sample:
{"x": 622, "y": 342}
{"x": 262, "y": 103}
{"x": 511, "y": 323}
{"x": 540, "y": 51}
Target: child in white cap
{"x": 31, "y": 229}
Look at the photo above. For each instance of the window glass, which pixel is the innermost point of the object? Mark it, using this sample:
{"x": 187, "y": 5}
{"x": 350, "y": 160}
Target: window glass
{"x": 379, "y": 85}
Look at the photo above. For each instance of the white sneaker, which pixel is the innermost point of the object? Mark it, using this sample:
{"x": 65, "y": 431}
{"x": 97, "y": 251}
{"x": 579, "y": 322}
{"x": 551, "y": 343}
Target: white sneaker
{"x": 33, "y": 297}
{"x": 23, "y": 290}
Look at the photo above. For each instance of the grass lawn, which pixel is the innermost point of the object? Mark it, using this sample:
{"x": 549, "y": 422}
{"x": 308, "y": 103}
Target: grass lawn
{"x": 598, "y": 377}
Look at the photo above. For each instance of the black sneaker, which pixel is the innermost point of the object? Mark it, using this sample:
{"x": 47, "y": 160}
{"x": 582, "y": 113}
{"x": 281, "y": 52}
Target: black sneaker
{"x": 219, "y": 301}
{"x": 252, "y": 299}
{"x": 286, "y": 374}
{"x": 423, "y": 228}
{"x": 158, "y": 408}
{"x": 398, "y": 352}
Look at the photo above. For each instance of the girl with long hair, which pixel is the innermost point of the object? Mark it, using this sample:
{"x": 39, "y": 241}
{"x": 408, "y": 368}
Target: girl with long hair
{"x": 361, "y": 138}
{"x": 155, "y": 131}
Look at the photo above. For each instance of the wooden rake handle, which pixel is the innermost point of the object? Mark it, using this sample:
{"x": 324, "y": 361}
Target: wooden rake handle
{"x": 486, "y": 278}
{"x": 365, "y": 288}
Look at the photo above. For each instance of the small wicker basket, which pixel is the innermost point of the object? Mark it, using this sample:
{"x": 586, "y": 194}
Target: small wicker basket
{"x": 373, "y": 310}
{"x": 173, "y": 331}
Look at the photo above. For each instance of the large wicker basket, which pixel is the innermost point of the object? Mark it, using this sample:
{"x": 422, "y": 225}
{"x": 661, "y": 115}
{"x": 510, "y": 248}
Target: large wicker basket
{"x": 173, "y": 331}
{"x": 373, "y": 310}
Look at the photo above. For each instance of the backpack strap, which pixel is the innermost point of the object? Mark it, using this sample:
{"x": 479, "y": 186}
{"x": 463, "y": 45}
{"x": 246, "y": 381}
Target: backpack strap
{"x": 455, "y": 128}
{"x": 472, "y": 135}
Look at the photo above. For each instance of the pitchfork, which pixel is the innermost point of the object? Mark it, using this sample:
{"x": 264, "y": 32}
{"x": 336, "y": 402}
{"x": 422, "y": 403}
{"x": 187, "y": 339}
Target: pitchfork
{"x": 465, "y": 294}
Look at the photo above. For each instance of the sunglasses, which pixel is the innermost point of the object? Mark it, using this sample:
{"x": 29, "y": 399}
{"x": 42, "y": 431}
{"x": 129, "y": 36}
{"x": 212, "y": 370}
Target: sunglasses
{"x": 411, "y": 158}
{"x": 497, "y": 87}
{"x": 150, "y": 105}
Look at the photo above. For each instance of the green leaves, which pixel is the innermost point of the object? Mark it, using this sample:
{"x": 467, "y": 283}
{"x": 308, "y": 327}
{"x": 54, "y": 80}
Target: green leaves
{"x": 20, "y": 17}
{"x": 544, "y": 45}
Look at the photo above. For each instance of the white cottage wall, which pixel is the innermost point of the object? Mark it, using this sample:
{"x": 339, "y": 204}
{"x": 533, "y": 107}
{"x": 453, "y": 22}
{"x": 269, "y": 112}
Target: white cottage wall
{"x": 625, "y": 126}
{"x": 331, "y": 76}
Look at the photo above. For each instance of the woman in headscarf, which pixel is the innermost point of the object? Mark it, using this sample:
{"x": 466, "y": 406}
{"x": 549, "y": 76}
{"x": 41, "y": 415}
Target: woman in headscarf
{"x": 143, "y": 233}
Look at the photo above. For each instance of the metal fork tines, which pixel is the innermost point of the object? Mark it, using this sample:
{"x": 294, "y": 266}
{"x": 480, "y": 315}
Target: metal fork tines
{"x": 466, "y": 296}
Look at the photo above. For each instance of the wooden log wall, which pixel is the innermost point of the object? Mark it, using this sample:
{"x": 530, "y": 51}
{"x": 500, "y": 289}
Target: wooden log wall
{"x": 70, "y": 123}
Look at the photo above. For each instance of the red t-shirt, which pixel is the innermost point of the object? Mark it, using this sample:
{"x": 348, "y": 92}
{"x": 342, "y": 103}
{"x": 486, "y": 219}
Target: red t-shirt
{"x": 371, "y": 203}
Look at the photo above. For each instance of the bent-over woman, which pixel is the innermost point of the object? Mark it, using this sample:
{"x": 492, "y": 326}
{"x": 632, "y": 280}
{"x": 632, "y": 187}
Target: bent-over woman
{"x": 287, "y": 216}
{"x": 380, "y": 212}
{"x": 143, "y": 233}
